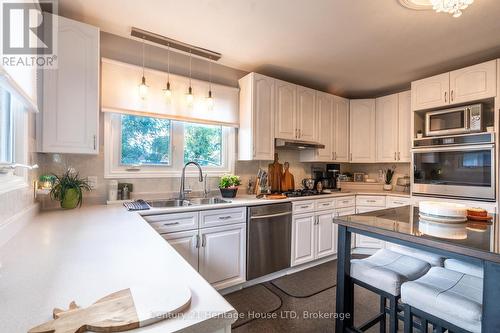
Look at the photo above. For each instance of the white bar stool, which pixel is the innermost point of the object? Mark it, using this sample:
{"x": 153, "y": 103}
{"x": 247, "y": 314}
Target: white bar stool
{"x": 449, "y": 298}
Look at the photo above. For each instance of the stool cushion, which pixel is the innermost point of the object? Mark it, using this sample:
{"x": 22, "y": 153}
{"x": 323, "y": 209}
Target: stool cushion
{"x": 464, "y": 267}
{"x": 387, "y": 270}
{"x": 452, "y": 296}
{"x": 431, "y": 258}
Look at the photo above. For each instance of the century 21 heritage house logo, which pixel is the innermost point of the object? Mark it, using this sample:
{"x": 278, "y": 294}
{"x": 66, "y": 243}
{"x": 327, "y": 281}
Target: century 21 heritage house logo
{"x": 29, "y": 33}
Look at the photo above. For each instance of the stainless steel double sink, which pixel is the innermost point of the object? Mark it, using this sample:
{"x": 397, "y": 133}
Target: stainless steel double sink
{"x": 165, "y": 203}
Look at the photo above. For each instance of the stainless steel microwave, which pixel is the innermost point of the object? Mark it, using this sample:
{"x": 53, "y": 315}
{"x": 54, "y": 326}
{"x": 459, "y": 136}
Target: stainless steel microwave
{"x": 459, "y": 120}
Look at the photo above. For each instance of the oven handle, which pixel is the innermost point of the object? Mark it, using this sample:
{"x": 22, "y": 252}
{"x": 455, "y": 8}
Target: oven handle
{"x": 453, "y": 148}
{"x": 467, "y": 118}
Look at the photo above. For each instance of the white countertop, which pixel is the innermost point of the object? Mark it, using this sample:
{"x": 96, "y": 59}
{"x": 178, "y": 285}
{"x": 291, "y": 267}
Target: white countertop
{"x": 85, "y": 254}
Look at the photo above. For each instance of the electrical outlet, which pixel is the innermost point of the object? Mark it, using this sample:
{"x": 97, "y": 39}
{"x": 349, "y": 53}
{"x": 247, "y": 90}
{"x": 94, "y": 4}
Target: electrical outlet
{"x": 92, "y": 182}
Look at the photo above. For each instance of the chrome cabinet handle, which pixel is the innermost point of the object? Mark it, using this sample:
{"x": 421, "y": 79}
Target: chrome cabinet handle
{"x": 95, "y": 141}
{"x": 399, "y": 156}
{"x": 224, "y": 217}
{"x": 325, "y": 204}
{"x": 371, "y": 201}
{"x": 197, "y": 241}
{"x": 395, "y": 156}
{"x": 304, "y": 207}
{"x": 451, "y": 95}
{"x": 445, "y": 96}
{"x": 169, "y": 224}
{"x": 203, "y": 240}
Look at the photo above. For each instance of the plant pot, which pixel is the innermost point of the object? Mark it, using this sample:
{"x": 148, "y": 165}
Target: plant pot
{"x": 387, "y": 187}
{"x": 228, "y": 192}
{"x": 71, "y": 198}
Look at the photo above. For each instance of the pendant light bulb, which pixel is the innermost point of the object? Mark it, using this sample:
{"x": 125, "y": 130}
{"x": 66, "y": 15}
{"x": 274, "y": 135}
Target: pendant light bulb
{"x": 167, "y": 91}
{"x": 210, "y": 100}
{"x": 189, "y": 96}
{"x": 143, "y": 89}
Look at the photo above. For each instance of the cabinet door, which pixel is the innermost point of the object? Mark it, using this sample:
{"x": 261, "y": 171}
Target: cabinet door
{"x": 362, "y": 130}
{"x": 70, "y": 117}
{"x": 186, "y": 244}
{"x": 223, "y": 255}
{"x": 286, "y": 119}
{"x": 473, "y": 83}
{"x": 324, "y": 104}
{"x": 341, "y": 130}
{"x": 430, "y": 92}
{"x": 404, "y": 127}
{"x": 263, "y": 114}
{"x": 387, "y": 128}
{"x": 325, "y": 242}
{"x": 364, "y": 241}
{"x": 302, "y": 239}
{"x": 306, "y": 114}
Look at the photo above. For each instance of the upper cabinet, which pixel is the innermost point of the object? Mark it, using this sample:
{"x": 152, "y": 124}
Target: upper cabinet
{"x": 362, "y": 131}
{"x": 463, "y": 85}
{"x": 473, "y": 83}
{"x": 340, "y": 128}
{"x": 393, "y": 128}
{"x": 257, "y": 113}
{"x": 306, "y": 114}
{"x": 69, "y": 121}
{"x": 286, "y": 110}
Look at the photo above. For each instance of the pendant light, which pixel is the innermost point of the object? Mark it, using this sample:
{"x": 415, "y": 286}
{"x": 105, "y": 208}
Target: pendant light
{"x": 189, "y": 95}
{"x": 143, "y": 88}
{"x": 210, "y": 99}
{"x": 167, "y": 91}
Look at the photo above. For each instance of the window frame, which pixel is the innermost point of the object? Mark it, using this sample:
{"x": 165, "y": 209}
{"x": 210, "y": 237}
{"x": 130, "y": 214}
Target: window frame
{"x": 112, "y": 151}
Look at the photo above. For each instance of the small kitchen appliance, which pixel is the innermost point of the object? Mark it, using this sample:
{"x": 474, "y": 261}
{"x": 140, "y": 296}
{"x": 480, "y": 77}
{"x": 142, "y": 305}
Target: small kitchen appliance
{"x": 459, "y": 120}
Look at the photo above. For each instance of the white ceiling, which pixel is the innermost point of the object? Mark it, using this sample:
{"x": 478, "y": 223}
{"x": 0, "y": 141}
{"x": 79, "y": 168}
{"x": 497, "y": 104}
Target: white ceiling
{"x": 355, "y": 48}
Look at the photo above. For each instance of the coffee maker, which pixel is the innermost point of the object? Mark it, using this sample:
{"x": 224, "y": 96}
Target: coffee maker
{"x": 327, "y": 178}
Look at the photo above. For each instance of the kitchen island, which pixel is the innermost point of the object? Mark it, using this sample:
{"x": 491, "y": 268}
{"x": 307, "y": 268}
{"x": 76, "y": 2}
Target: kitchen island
{"x": 84, "y": 254}
{"x": 477, "y": 242}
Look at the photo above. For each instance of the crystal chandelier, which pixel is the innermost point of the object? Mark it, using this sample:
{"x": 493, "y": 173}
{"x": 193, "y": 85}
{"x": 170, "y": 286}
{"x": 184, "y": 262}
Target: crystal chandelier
{"x": 453, "y": 7}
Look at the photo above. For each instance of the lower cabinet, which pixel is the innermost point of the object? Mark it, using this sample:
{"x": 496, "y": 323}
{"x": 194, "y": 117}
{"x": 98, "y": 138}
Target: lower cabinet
{"x": 314, "y": 236}
{"x": 364, "y": 241}
{"x": 217, "y": 253}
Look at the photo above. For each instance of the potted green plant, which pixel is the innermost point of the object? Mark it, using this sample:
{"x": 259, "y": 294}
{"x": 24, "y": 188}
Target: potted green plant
{"x": 389, "y": 173}
{"x": 228, "y": 185}
{"x": 68, "y": 189}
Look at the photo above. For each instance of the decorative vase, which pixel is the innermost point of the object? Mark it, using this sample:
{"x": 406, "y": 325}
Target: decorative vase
{"x": 387, "y": 187}
{"x": 229, "y": 192}
{"x": 70, "y": 200}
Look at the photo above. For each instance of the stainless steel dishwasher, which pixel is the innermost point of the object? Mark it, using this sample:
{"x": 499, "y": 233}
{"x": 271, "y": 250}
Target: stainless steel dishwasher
{"x": 269, "y": 236}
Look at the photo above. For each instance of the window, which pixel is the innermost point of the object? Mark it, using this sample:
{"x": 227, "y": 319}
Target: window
{"x": 147, "y": 147}
{"x": 6, "y": 130}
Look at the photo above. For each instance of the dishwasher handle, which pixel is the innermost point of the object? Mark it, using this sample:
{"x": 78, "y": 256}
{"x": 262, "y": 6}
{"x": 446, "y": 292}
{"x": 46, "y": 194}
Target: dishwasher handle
{"x": 269, "y": 216}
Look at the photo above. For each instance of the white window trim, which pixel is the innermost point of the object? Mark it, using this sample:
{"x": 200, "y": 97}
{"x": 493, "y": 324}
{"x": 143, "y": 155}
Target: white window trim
{"x": 112, "y": 168}
{"x": 17, "y": 179}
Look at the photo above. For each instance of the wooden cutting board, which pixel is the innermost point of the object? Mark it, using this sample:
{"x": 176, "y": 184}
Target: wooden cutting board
{"x": 275, "y": 171}
{"x": 287, "y": 182}
{"x": 120, "y": 311}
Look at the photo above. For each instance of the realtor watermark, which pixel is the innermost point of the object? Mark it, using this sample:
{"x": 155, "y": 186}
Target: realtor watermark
{"x": 29, "y": 33}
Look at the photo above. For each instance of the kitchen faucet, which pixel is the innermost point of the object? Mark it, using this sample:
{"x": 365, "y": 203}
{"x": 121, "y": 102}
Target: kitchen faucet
{"x": 182, "y": 191}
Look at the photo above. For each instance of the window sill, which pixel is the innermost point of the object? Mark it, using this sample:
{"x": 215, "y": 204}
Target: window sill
{"x": 10, "y": 183}
{"x": 121, "y": 174}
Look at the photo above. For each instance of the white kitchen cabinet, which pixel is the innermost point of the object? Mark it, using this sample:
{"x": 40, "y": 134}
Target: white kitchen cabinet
{"x": 222, "y": 260}
{"x": 306, "y": 114}
{"x": 393, "y": 123}
{"x": 386, "y": 114}
{"x": 69, "y": 122}
{"x": 325, "y": 235}
{"x": 303, "y": 238}
{"x": 186, "y": 243}
{"x": 364, "y": 241}
{"x": 325, "y": 132}
{"x": 257, "y": 111}
{"x": 431, "y": 92}
{"x": 340, "y": 129}
{"x": 473, "y": 83}
{"x": 362, "y": 131}
{"x": 286, "y": 110}
{"x": 404, "y": 126}
{"x": 394, "y": 201}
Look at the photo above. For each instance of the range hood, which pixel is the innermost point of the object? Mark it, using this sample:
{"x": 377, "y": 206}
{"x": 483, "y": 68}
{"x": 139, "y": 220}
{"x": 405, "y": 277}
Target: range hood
{"x": 297, "y": 144}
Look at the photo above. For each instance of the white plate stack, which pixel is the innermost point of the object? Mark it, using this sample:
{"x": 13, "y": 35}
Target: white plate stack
{"x": 442, "y": 212}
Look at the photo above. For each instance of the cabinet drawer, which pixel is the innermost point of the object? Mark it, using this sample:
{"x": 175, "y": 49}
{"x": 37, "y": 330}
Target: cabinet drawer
{"x": 325, "y": 204}
{"x": 303, "y": 206}
{"x": 370, "y": 201}
{"x": 164, "y": 223}
{"x": 397, "y": 201}
{"x": 345, "y": 211}
{"x": 345, "y": 202}
{"x": 212, "y": 218}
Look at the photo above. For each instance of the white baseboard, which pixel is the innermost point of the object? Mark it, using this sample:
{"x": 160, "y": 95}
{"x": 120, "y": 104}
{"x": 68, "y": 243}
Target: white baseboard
{"x": 15, "y": 223}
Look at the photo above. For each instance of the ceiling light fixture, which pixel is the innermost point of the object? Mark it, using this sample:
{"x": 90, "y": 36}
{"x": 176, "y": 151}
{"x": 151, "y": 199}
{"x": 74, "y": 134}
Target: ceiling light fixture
{"x": 189, "y": 95}
{"x": 210, "y": 100}
{"x": 453, "y": 7}
{"x": 143, "y": 88}
{"x": 167, "y": 91}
